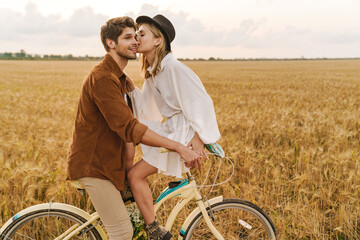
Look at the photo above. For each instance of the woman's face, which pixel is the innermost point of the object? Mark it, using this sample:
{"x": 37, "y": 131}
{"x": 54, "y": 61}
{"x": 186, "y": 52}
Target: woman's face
{"x": 147, "y": 40}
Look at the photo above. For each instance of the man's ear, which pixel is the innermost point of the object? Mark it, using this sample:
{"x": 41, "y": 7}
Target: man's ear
{"x": 110, "y": 43}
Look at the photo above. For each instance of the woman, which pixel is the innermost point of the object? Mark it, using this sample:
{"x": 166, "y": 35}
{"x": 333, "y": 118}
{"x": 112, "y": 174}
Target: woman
{"x": 172, "y": 91}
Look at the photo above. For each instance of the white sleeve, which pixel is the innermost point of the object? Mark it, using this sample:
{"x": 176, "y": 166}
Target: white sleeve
{"x": 144, "y": 105}
{"x": 194, "y": 101}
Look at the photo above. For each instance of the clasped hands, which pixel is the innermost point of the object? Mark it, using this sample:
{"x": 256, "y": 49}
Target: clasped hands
{"x": 197, "y": 145}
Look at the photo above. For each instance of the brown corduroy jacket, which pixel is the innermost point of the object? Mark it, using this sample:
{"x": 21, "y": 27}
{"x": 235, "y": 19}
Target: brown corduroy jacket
{"x": 104, "y": 123}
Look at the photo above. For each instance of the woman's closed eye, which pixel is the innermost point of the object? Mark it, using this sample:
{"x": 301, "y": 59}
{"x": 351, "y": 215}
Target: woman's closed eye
{"x": 140, "y": 33}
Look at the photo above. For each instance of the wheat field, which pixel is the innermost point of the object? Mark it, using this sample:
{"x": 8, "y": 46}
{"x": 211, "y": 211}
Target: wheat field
{"x": 292, "y": 129}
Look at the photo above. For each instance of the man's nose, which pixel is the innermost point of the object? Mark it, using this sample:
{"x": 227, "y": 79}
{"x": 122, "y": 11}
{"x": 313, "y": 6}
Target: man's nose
{"x": 136, "y": 41}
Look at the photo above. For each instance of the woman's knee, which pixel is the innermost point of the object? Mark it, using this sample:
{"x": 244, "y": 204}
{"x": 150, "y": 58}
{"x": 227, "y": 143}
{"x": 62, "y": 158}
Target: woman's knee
{"x": 140, "y": 171}
{"x": 132, "y": 175}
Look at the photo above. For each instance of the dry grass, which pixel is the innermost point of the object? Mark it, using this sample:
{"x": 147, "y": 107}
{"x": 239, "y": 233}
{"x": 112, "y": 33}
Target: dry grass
{"x": 292, "y": 128}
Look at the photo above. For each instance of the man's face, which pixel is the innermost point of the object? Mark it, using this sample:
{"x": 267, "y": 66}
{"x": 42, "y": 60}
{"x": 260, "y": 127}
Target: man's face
{"x": 127, "y": 44}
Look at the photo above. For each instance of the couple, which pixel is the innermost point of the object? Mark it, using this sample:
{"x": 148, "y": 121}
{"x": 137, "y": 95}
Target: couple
{"x": 102, "y": 149}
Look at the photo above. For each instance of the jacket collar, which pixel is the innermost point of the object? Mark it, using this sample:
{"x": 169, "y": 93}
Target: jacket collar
{"x": 112, "y": 66}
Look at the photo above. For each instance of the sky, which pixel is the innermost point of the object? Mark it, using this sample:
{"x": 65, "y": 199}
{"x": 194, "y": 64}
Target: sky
{"x": 204, "y": 28}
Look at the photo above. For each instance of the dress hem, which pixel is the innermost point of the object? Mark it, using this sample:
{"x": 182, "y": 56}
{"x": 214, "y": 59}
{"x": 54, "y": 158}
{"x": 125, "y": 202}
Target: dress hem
{"x": 163, "y": 171}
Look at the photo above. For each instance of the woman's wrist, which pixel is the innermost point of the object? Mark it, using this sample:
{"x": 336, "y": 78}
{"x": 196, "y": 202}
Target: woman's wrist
{"x": 177, "y": 147}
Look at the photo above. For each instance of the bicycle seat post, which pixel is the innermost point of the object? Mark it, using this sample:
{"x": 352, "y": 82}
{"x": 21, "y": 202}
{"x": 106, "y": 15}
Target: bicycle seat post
{"x": 189, "y": 176}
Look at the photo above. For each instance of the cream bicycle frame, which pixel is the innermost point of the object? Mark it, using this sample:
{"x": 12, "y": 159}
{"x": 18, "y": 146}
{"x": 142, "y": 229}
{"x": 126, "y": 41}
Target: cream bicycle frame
{"x": 187, "y": 191}
{"x": 75, "y": 229}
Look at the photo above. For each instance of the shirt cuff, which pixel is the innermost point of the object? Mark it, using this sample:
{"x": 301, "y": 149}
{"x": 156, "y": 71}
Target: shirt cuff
{"x": 138, "y": 133}
{"x": 131, "y": 94}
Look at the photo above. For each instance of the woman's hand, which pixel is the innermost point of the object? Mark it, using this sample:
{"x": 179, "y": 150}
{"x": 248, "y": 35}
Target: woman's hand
{"x": 192, "y": 159}
{"x": 198, "y": 146}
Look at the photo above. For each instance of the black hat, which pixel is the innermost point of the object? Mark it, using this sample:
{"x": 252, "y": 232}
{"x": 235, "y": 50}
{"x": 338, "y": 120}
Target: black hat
{"x": 163, "y": 24}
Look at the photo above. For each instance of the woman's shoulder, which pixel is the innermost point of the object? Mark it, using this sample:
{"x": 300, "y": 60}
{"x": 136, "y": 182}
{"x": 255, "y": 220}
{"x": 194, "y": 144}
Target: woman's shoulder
{"x": 174, "y": 64}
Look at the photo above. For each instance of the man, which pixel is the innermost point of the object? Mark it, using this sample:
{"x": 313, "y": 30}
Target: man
{"x": 104, "y": 125}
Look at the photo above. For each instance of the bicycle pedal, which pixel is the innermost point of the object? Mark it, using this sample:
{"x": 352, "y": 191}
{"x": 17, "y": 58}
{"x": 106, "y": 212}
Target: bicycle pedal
{"x": 168, "y": 236}
{"x": 174, "y": 184}
{"x": 129, "y": 200}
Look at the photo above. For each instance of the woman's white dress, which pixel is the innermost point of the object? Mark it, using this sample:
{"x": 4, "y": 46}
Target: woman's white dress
{"x": 177, "y": 94}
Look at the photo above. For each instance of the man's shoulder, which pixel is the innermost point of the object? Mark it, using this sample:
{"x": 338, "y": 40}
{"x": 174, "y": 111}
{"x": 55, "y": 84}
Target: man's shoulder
{"x": 100, "y": 72}
{"x": 96, "y": 76}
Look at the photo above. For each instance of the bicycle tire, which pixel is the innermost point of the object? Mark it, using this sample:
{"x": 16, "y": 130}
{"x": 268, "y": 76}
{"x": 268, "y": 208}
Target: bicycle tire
{"x": 30, "y": 226}
{"x": 248, "y": 222}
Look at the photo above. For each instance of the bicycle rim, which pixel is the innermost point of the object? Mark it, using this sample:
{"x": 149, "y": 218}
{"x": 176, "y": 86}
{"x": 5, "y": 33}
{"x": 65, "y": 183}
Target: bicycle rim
{"x": 234, "y": 219}
{"x": 48, "y": 224}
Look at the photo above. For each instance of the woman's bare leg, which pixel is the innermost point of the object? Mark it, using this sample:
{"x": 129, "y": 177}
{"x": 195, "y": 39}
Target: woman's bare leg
{"x": 129, "y": 154}
{"x": 140, "y": 189}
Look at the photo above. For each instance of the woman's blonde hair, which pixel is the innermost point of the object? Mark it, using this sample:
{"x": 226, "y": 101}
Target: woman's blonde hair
{"x": 160, "y": 53}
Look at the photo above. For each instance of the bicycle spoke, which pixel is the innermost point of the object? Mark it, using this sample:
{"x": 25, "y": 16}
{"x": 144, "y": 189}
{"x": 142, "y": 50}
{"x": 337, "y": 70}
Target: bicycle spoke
{"x": 46, "y": 226}
{"x": 233, "y": 221}
{"x": 27, "y": 237}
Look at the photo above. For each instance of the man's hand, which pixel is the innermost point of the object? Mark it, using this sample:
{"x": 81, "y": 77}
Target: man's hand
{"x": 191, "y": 158}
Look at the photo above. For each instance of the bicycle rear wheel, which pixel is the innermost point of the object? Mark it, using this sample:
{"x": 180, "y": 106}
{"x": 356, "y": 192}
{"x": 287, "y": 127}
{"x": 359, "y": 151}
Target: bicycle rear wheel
{"x": 48, "y": 224}
{"x": 234, "y": 219}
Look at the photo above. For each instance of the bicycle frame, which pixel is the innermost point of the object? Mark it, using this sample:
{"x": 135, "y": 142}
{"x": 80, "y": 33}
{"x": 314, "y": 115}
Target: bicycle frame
{"x": 187, "y": 190}
{"x": 76, "y": 228}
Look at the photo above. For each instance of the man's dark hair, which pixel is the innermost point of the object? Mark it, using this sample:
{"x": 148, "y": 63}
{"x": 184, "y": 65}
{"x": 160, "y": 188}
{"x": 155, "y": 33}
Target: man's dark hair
{"x": 113, "y": 29}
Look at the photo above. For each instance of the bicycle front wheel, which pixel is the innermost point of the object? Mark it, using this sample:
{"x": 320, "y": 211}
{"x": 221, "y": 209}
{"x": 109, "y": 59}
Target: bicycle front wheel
{"x": 48, "y": 224}
{"x": 234, "y": 219}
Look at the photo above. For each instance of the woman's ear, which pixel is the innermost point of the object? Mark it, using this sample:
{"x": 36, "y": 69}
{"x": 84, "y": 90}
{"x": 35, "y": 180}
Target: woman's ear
{"x": 157, "y": 41}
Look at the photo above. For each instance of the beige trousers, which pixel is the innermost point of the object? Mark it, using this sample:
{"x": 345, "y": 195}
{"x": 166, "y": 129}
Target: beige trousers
{"x": 110, "y": 207}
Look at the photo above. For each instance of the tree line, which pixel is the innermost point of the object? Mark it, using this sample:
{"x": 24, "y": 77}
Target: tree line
{"x": 22, "y": 55}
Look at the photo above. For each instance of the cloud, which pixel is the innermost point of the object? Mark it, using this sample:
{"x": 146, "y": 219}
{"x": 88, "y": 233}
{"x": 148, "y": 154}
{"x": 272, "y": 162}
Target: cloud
{"x": 189, "y": 31}
{"x": 82, "y": 23}
{"x": 345, "y": 37}
{"x": 79, "y": 34}
{"x": 250, "y": 33}
{"x": 290, "y": 36}
{"x": 33, "y": 22}
{"x": 51, "y": 34}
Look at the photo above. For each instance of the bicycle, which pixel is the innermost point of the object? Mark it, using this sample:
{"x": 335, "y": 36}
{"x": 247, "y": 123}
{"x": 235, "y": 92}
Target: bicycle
{"x": 216, "y": 218}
